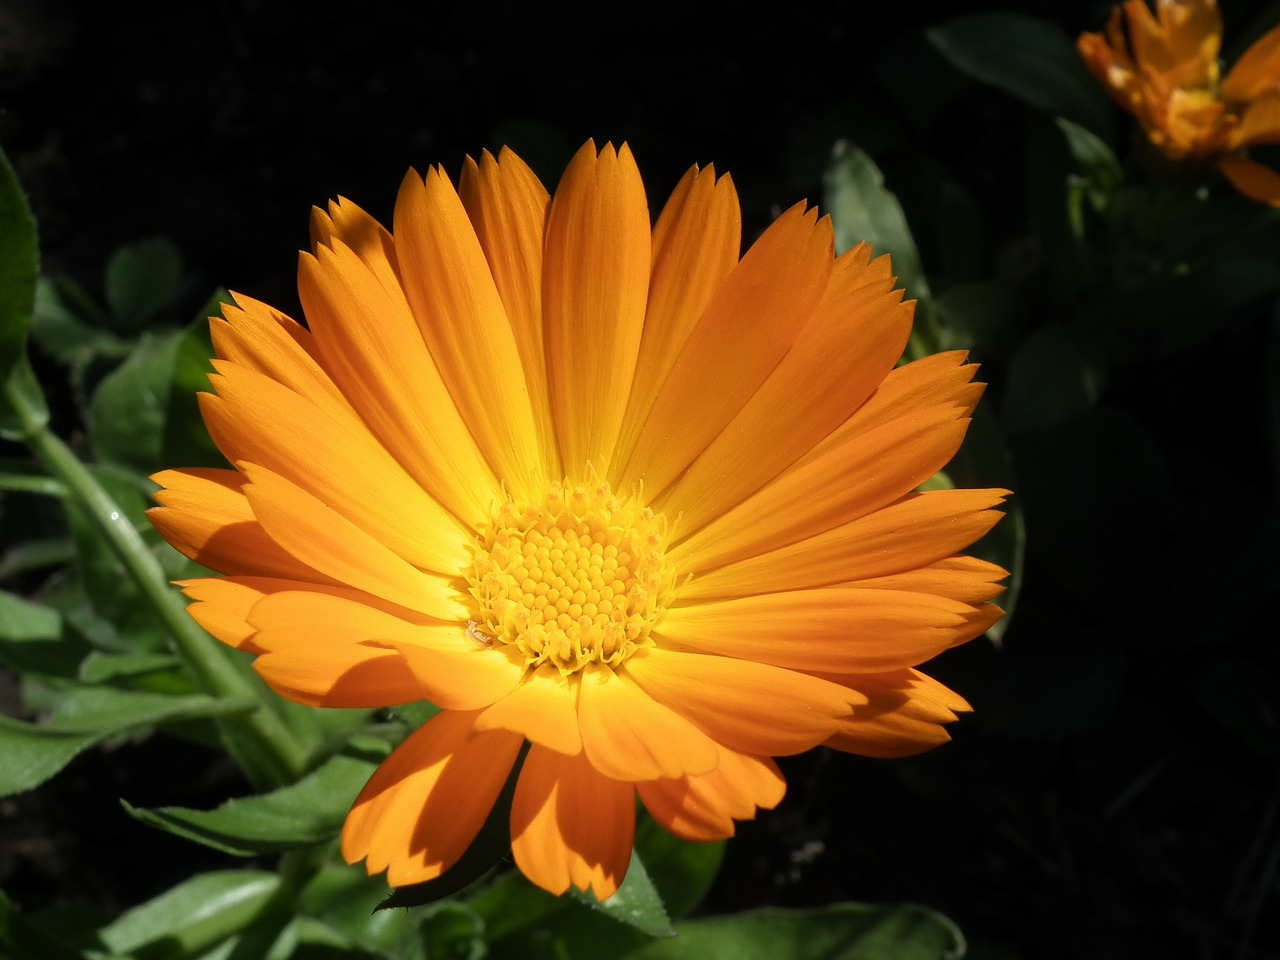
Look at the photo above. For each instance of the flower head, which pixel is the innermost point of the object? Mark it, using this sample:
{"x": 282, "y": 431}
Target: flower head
{"x": 1166, "y": 74}
{"x": 607, "y": 488}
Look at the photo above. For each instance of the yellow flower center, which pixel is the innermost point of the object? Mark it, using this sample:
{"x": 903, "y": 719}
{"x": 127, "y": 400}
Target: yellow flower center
{"x": 577, "y": 577}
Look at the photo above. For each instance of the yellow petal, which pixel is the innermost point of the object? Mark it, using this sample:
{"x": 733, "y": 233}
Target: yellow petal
{"x": 256, "y": 419}
{"x": 543, "y": 708}
{"x": 205, "y": 516}
{"x": 748, "y": 326}
{"x": 427, "y": 801}
{"x": 465, "y": 326}
{"x": 309, "y": 635}
{"x": 862, "y": 325}
{"x": 696, "y": 244}
{"x": 838, "y": 629}
{"x": 966, "y": 579}
{"x": 370, "y": 343}
{"x": 916, "y": 531}
{"x": 628, "y": 735}
{"x": 704, "y": 808}
{"x": 322, "y": 538}
{"x": 752, "y": 707}
{"x": 508, "y": 208}
{"x": 570, "y": 825}
{"x": 595, "y": 284}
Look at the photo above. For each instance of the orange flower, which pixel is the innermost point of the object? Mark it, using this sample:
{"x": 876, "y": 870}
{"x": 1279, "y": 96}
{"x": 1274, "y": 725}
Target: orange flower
{"x": 1167, "y": 75}
{"x": 598, "y": 486}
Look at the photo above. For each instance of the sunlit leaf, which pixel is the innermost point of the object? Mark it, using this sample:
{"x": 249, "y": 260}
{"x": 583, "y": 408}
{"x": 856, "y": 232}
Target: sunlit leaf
{"x": 636, "y": 902}
{"x": 194, "y": 916}
{"x": 300, "y": 814}
{"x": 35, "y": 752}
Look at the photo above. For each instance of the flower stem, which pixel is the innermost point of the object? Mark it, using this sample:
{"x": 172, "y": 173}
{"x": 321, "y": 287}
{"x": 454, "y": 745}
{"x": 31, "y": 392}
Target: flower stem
{"x": 269, "y": 752}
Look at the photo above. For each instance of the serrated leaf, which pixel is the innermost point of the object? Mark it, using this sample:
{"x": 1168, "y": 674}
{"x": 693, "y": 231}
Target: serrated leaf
{"x": 1027, "y": 58}
{"x": 840, "y": 932}
{"x": 140, "y": 279}
{"x": 636, "y": 902}
{"x": 300, "y": 814}
{"x": 35, "y": 752}
{"x": 341, "y": 902}
{"x": 682, "y": 871}
{"x": 194, "y": 916}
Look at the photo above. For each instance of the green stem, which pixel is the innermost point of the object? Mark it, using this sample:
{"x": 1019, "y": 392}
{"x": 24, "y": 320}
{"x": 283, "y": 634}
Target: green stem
{"x": 268, "y": 750}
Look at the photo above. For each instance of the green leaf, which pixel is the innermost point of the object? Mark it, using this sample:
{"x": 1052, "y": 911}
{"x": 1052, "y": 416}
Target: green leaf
{"x": 68, "y": 326}
{"x": 105, "y": 667}
{"x": 35, "y": 752}
{"x": 141, "y": 278}
{"x": 300, "y": 814}
{"x": 19, "y": 260}
{"x": 127, "y": 413}
{"x": 193, "y": 917}
{"x": 636, "y": 902}
{"x": 32, "y": 639}
{"x": 22, "y": 939}
{"x": 863, "y": 210}
{"x": 340, "y": 903}
{"x": 1028, "y": 58}
{"x": 1050, "y": 381}
{"x": 840, "y": 932}
{"x": 682, "y": 871}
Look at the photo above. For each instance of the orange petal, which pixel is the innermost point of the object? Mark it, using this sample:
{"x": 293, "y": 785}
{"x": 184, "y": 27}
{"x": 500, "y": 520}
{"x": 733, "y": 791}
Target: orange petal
{"x": 628, "y": 735}
{"x": 844, "y": 629}
{"x": 1252, "y": 179}
{"x": 543, "y": 708}
{"x": 338, "y": 461}
{"x": 461, "y": 317}
{"x": 310, "y": 635}
{"x": 903, "y": 715}
{"x": 748, "y": 326}
{"x": 346, "y": 223}
{"x": 873, "y": 470}
{"x": 322, "y": 538}
{"x": 704, "y": 808}
{"x": 205, "y": 516}
{"x": 752, "y": 707}
{"x": 863, "y": 324}
{"x": 570, "y": 825}
{"x": 1256, "y": 72}
{"x": 508, "y": 208}
{"x": 696, "y": 244}
{"x": 370, "y": 343}
{"x": 221, "y": 605}
{"x": 914, "y": 532}
{"x": 595, "y": 284}
{"x": 262, "y": 338}
{"x": 966, "y": 579}
{"x": 424, "y": 806}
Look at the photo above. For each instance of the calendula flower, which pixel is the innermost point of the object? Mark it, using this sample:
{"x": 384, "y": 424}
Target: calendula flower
{"x": 1167, "y": 75}
{"x": 607, "y": 488}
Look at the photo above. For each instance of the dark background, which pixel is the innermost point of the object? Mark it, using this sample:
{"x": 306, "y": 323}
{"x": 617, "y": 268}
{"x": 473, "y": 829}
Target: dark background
{"x": 1140, "y": 830}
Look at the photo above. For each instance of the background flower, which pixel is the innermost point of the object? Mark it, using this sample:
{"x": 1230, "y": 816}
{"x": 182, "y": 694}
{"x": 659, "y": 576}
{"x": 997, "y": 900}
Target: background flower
{"x": 1164, "y": 70}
